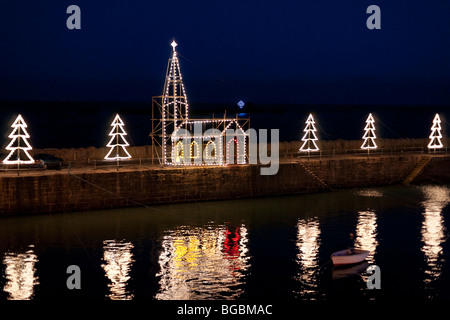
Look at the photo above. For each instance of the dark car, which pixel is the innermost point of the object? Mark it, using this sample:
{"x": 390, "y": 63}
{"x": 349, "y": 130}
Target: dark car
{"x": 50, "y": 161}
{"x": 37, "y": 163}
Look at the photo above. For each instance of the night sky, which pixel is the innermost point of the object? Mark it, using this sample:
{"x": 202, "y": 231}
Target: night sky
{"x": 304, "y": 51}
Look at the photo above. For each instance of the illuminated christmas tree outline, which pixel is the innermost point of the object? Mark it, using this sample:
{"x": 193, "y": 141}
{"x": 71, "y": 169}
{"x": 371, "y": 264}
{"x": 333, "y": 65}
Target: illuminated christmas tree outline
{"x": 18, "y": 134}
{"x": 436, "y": 135}
{"x": 309, "y": 130}
{"x": 117, "y": 132}
{"x": 369, "y": 135}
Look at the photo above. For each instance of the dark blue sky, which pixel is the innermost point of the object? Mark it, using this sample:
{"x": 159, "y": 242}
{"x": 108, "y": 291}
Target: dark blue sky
{"x": 303, "y": 51}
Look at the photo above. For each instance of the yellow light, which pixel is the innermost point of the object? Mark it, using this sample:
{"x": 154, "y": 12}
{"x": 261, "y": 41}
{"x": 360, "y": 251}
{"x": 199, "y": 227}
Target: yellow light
{"x": 194, "y": 150}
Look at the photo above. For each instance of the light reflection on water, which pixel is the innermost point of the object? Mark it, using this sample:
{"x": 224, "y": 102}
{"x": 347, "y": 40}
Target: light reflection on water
{"x": 20, "y": 274}
{"x": 308, "y": 243}
{"x": 366, "y": 233}
{"x": 203, "y": 263}
{"x": 372, "y": 193}
{"x": 117, "y": 263}
{"x": 189, "y": 256}
{"x": 433, "y": 230}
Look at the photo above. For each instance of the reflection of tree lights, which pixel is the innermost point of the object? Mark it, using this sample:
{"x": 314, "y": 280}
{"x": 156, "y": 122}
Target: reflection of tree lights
{"x": 370, "y": 193}
{"x": 20, "y": 275}
{"x": 118, "y": 261}
{"x": 308, "y": 243}
{"x": 433, "y": 230}
{"x": 203, "y": 263}
{"x": 366, "y": 233}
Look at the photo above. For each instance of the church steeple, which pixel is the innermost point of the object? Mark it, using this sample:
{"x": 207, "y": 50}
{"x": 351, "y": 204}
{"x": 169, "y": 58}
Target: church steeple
{"x": 175, "y": 101}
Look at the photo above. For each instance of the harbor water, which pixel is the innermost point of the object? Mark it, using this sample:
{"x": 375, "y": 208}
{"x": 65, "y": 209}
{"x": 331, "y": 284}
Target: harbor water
{"x": 264, "y": 248}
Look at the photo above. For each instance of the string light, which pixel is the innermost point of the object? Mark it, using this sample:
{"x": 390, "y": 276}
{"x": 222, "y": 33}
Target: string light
{"x": 174, "y": 84}
{"x": 211, "y": 150}
{"x": 369, "y": 135}
{"x": 181, "y": 134}
{"x": 19, "y": 134}
{"x": 175, "y": 100}
{"x": 310, "y": 136}
{"x": 436, "y": 136}
{"x": 194, "y": 150}
{"x": 179, "y": 152}
{"x": 228, "y": 150}
{"x": 117, "y": 133}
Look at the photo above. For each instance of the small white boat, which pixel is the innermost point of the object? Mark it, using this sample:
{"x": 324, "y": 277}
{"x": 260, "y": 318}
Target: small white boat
{"x": 349, "y": 256}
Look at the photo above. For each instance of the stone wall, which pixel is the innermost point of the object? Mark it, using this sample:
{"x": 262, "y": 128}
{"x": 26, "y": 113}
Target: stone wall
{"x": 86, "y": 190}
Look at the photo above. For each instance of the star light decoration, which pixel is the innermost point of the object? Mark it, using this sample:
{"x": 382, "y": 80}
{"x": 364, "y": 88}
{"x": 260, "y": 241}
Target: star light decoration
{"x": 436, "y": 135}
{"x": 369, "y": 135}
{"x": 19, "y": 135}
{"x": 310, "y": 138}
{"x": 174, "y": 98}
{"x": 117, "y": 133}
{"x": 174, "y": 45}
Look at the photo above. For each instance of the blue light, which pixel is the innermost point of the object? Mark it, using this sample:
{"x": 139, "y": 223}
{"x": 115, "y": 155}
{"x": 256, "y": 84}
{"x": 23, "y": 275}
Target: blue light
{"x": 241, "y": 104}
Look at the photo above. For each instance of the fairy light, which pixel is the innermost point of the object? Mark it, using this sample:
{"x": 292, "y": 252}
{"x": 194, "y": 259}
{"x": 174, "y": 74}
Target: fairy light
{"x": 181, "y": 134}
{"x": 228, "y": 160}
{"x": 173, "y": 85}
{"x": 117, "y": 133}
{"x": 175, "y": 99}
{"x": 436, "y": 135}
{"x": 240, "y": 158}
{"x": 369, "y": 135}
{"x": 194, "y": 147}
{"x": 310, "y": 136}
{"x": 179, "y": 151}
{"x": 211, "y": 150}
{"x": 241, "y": 137}
{"x": 19, "y": 134}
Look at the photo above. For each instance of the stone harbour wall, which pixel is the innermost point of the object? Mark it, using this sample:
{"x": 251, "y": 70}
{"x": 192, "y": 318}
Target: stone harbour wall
{"x": 63, "y": 191}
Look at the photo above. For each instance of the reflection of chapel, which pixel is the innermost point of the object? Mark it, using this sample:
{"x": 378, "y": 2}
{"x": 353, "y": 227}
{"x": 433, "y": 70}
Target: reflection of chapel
{"x": 183, "y": 141}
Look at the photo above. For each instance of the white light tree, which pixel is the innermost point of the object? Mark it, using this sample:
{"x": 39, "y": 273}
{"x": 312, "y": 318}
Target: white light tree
{"x": 118, "y": 143}
{"x": 369, "y": 135}
{"x": 309, "y": 139}
{"x": 436, "y": 135}
{"x": 19, "y": 145}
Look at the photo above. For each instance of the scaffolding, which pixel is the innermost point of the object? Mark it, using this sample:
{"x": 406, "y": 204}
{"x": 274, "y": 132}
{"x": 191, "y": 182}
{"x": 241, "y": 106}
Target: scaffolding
{"x": 162, "y": 129}
{"x": 170, "y": 112}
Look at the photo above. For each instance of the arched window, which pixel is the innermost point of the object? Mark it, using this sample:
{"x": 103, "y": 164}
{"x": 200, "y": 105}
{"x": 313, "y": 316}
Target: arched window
{"x": 211, "y": 150}
{"x": 232, "y": 151}
{"x": 194, "y": 150}
{"x": 179, "y": 152}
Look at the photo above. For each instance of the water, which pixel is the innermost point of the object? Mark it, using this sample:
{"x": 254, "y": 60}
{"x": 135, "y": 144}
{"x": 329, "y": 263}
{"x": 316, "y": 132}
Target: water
{"x": 268, "y": 248}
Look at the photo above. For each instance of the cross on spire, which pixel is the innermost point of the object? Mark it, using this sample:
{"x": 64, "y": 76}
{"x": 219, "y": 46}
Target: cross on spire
{"x": 174, "y": 44}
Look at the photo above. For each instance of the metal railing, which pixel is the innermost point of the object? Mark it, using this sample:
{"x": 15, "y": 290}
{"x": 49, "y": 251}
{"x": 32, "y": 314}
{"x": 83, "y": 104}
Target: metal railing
{"x": 372, "y": 152}
{"x": 97, "y": 165}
